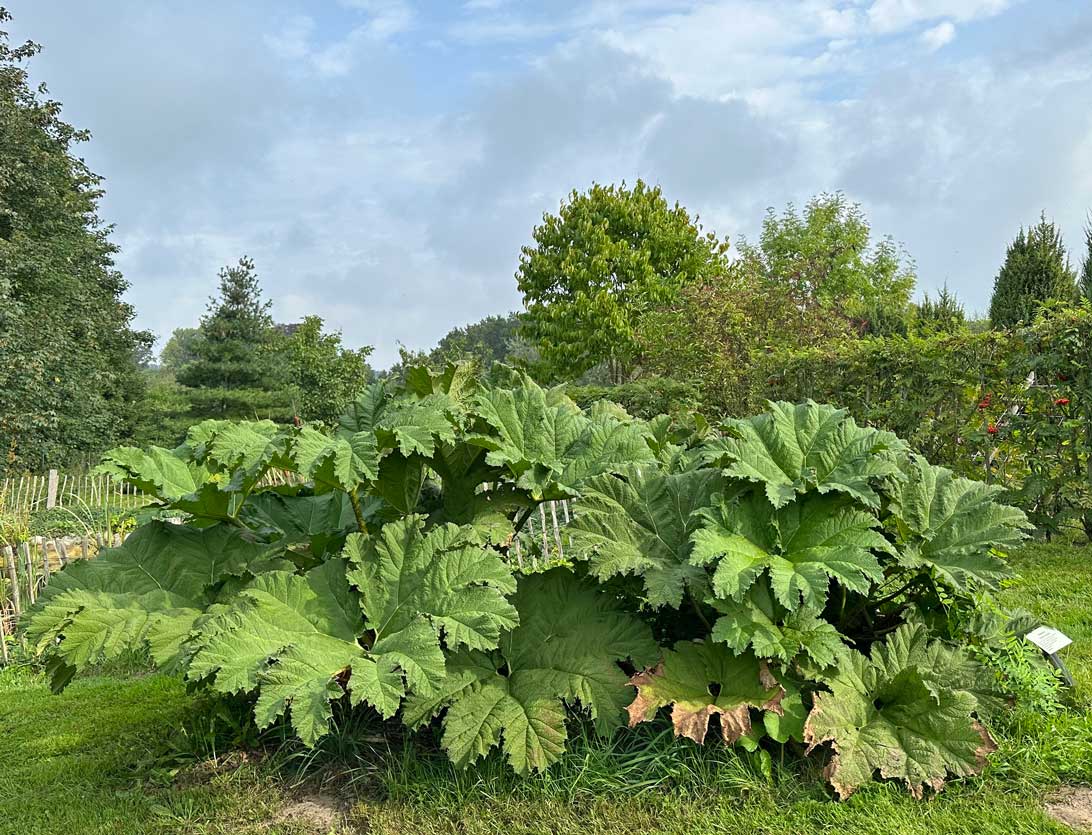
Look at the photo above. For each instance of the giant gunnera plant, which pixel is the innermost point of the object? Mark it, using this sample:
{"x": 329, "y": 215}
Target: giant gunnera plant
{"x": 790, "y": 576}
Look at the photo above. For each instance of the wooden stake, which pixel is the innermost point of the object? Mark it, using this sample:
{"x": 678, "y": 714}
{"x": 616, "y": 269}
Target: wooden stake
{"x": 32, "y": 581}
{"x": 545, "y": 541}
{"x": 45, "y": 558}
{"x": 13, "y": 578}
{"x": 62, "y": 552}
{"x": 51, "y": 490}
{"x": 516, "y": 548}
{"x": 3, "y": 636}
{"x": 557, "y": 532}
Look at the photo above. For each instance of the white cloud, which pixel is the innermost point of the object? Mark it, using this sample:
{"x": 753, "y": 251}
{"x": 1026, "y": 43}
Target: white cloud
{"x": 887, "y": 16}
{"x": 386, "y": 17}
{"x": 939, "y": 35}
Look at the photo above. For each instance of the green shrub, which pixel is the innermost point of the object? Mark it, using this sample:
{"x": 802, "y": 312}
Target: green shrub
{"x": 645, "y": 398}
{"x": 795, "y": 575}
{"x": 1012, "y": 408}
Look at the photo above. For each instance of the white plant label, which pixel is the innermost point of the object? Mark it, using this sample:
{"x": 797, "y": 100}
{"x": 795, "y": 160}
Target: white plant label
{"x": 1049, "y": 640}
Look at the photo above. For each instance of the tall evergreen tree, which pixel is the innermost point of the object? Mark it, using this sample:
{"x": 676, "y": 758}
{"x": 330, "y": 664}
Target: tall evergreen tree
{"x": 1036, "y": 270}
{"x": 68, "y": 355}
{"x": 233, "y": 373}
{"x": 1084, "y": 284}
{"x": 944, "y": 314}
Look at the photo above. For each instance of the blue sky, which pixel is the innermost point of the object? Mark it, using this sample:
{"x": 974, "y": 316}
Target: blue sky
{"x": 384, "y": 160}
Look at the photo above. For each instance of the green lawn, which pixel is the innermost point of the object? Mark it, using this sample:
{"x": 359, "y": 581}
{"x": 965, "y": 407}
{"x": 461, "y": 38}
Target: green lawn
{"x": 114, "y": 755}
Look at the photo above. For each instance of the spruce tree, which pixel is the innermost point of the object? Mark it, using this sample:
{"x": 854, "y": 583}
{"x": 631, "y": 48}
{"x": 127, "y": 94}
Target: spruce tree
{"x": 233, "y": 373}
{"x": 1084, "y": 284}
{"x": 1036, "y": 270}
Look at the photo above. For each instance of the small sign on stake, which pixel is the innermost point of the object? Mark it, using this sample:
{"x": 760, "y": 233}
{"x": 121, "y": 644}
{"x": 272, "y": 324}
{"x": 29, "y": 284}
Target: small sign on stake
{"x": 1051, "y": 641}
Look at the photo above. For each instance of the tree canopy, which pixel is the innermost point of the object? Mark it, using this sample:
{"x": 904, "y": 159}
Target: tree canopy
{"x": 812, "y": 278}
{"x": 1036, "y": 270}
{"x": 944, "y": 314}
{"x": 233, "y": 373}
{"x": 179, "y": 349}
{"x": 824, "y": 258}
{"x": 485, "y": 342}
{"x": 609, "y": 255}
{"x": 69, "y": 374}
{"x": 322, "y": 376}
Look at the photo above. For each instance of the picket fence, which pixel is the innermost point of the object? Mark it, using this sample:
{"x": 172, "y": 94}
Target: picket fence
{"x": 28, "y": 493}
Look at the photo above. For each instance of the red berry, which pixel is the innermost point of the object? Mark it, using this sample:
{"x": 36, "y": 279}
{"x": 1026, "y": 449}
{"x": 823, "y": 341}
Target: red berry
{"x": 992, "y": 429}
{"x": 1062, "y": 401}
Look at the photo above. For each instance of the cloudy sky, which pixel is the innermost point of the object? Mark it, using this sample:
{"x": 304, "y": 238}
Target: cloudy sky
{"x": 384, "y": 160}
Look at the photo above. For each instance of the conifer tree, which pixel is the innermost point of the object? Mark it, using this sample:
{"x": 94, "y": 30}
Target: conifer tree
{"x": 1084, "y": 284}
{"x": 1036, "y": 270}
{"x": 944, "y": 314}
{"x": 232, "y": 374}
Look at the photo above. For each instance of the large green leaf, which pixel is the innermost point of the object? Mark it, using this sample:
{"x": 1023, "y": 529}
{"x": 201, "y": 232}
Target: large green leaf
{"x": 702, "y": 680}
{"x": 642, "y": 524}
{"x": 793, "y": 449}
{"x": 424, "y": 584}
{"x": 414, "y": 426}
{"x": 351, "y": 455}
{"x": 294, "y": 639}
{"x": 145, "y": 593}
{"x": 801, "y": 547}
{"x": 906, "y": 712}
{"x": 162, "y": 556}
{"x": 336, "y": 462}
{"x": 566, "y": 650}
{"x": 950, "y": 524}
{"x": 166, "y": 474}
{"x": 548, "y": 445}
{"x": 294, "y": 520}
{"x": 240, "y": 453}
{"x": 289, "y": 636}
{"x": 760, "y": 623}
{"x": 83, "y": 627}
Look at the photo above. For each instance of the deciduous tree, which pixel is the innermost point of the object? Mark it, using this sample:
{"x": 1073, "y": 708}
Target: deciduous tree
{"x": 322, "y": 376}
{"x": 68, "y": 354}
{"x": 609, "y": 255}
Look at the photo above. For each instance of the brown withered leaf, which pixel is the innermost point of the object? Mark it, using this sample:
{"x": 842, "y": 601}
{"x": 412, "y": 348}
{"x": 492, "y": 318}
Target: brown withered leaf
{"x": 702, "y": 680}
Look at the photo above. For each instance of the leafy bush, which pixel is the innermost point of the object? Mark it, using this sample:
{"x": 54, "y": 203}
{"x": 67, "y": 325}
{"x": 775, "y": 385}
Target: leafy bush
{"x": 645, "y": 398}
{"x": 790, "y": 577}
{"x": 1012, "y": 408}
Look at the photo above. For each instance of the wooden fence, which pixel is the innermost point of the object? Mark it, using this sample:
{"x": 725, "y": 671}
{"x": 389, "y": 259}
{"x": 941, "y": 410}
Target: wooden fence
{"x": 26, "y": 567}
{"x": 543, "y": 535}
{"x": 28, "y": 493}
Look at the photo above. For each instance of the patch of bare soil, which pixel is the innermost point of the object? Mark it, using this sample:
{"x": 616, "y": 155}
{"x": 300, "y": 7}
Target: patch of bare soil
{"x": 1072, "y": 806}
{"x": 319, "y": 813}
